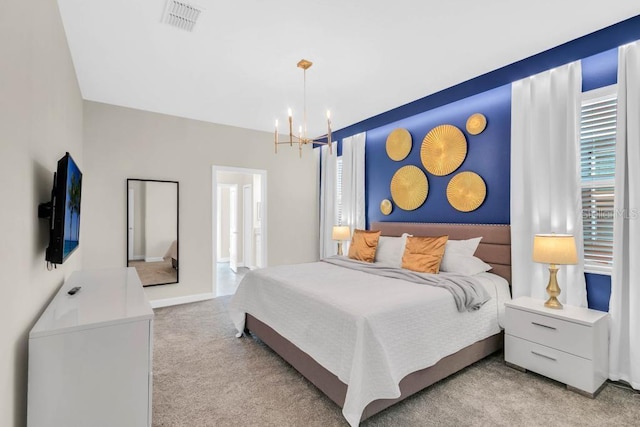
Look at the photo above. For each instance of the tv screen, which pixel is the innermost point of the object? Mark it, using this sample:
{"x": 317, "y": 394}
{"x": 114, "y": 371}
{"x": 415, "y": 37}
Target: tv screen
{"x": 64, "y": 232}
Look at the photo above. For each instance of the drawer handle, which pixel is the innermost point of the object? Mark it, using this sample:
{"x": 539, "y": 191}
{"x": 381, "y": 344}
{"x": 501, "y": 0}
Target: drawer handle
{"x": 544, "y": 326}
{"x": 544, "y": 355}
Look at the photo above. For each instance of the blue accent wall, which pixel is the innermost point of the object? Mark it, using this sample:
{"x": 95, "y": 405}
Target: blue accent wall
{"x": 598, "y": 291}
{"x": 488, "y": 153}
{"x": 600, "y": 70}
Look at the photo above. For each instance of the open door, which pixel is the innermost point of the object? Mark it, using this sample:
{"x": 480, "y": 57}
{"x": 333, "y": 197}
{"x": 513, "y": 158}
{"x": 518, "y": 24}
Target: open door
{"x": 247, "y": 226}
{"x": 233, "y": 223}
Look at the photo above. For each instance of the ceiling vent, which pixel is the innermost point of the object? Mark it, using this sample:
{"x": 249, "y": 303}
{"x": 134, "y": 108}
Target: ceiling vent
{"x": 181, "y": 15}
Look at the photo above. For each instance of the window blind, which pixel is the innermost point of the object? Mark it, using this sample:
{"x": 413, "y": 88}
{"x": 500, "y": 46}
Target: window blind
{"x": 597, "y": 171}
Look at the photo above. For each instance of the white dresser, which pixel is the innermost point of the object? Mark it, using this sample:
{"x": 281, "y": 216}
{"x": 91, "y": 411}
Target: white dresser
{"x": 569, "y": 345}
{"x": 90, "y": 354}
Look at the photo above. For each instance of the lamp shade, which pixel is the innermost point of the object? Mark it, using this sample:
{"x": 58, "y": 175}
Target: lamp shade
{"x": 555, "y": 249}
{"x": 341, "y": 232}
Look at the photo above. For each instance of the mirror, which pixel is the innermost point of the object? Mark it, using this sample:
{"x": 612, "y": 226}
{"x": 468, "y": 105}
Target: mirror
{"x": 152, "y": 230}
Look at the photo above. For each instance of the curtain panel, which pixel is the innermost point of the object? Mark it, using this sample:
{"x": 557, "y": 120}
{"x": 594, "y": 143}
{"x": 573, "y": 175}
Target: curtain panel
{"x": 545, "y": 178}
{"x": 624, "y": 305}
{"x": 353, "y": 200}
{"x": 328, "y": 208}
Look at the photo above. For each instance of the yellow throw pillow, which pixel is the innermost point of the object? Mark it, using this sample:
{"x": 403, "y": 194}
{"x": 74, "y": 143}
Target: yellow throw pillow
{"x": 424, "y": 254}
{"x": 363, "y": 245}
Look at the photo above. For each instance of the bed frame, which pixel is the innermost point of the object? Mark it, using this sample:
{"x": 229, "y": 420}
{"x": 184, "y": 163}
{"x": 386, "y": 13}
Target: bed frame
{"x": 494, "y": 249}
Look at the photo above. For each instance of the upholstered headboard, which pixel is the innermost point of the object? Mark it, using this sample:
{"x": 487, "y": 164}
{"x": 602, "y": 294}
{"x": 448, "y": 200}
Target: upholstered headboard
{"x": 494, "y": 248}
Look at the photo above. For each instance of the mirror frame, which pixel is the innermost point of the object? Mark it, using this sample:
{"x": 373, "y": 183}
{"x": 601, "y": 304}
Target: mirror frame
{"x": 177, "y": 226}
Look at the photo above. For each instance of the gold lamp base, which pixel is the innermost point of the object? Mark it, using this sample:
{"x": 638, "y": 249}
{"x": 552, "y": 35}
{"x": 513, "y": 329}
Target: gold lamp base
{"x": 553, "y": 289}
{"x": 340, "y": 248}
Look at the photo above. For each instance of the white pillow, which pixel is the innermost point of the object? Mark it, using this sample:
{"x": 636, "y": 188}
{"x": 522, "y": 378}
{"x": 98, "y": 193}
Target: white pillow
{"x": 462, "y": 247}
{"x": 463, "y": 264}
{"x": 390, "y": 249}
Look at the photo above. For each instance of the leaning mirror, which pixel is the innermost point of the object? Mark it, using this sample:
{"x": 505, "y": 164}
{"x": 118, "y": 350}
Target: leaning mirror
{"x": 152, "y": 230}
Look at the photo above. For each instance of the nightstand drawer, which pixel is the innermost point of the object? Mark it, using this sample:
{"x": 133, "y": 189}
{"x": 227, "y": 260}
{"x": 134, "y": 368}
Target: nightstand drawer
{"x": 551, "y": 332}
{"x": 558, "y": 365}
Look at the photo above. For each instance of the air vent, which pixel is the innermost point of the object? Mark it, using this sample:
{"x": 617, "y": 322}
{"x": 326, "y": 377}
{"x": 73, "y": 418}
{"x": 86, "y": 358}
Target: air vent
{"x": 181, "y": 15}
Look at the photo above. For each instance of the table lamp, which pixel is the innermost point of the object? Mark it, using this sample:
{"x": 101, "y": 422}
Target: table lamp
{"x": 340, "y": 233}
{"x": 554, "y": 249}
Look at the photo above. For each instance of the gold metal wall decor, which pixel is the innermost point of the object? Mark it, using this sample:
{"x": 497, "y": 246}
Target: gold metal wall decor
{"x": 476, "y": 123}
{"x": 443, "y": 150}
{"x": 409, "y": 187}
{"x": 386, "y": 207}
{"x": 466, "y": 191}
{"x": 398, "y": 144}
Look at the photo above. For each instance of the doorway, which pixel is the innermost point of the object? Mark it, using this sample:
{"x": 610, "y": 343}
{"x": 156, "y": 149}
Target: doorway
{"x": 239, "y": 225}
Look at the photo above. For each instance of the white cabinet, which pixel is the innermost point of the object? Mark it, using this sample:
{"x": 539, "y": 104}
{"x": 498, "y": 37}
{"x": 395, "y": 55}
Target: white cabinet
{"x": 90, "y": 354}
{"x": 569, "y": 345}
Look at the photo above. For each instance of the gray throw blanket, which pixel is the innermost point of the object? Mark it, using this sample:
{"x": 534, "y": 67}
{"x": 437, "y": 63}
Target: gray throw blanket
{"x": 467, "y": 291}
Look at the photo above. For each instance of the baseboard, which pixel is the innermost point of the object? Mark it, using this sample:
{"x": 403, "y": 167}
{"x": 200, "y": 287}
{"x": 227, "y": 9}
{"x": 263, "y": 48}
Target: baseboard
{"x": 153, "y": 259}
{"x": 223, "y": 259}
{"x": 181, "y": 300}
{"x": 137, "y": 258}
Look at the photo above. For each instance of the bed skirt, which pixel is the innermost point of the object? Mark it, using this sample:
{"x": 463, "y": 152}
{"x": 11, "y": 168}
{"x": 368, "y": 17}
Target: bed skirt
{"x": 336, "y": 390}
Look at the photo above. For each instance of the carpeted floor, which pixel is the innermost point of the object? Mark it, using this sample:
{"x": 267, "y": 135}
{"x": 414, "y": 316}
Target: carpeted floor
{"x": 204, "y": 376}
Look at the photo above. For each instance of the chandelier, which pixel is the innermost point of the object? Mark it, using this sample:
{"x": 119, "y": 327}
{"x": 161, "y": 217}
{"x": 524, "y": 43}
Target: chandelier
{"x": 301, "y": 138}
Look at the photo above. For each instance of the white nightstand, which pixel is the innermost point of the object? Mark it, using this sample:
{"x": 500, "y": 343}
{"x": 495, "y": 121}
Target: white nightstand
{"x": 569, "y": 345}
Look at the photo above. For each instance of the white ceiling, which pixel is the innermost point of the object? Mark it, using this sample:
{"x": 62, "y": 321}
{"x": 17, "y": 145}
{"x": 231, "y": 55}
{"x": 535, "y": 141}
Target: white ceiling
{"x": 238, "y": 67}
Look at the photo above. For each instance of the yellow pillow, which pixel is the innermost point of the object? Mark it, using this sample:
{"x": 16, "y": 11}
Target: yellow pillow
{"x": 363, "y": 245}
{"x": 424, "y": 254}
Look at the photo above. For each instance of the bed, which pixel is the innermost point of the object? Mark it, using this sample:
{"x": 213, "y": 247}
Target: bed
{"x": 366, "y": 357}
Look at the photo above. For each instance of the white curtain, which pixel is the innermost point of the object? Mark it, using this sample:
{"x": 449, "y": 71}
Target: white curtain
{"x": 328, "y": 211}
{"x": 353, "y": 211}
{"x": 545, "y": 178}
{"x": 624, "y": 306}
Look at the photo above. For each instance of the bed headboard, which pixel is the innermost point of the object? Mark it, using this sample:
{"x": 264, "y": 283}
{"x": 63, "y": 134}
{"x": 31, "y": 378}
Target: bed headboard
{"x": 494, "y": 248}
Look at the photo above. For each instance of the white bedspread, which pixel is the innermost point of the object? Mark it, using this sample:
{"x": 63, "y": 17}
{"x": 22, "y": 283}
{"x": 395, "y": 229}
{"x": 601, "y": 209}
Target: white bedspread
{"x": 370, "y": 331}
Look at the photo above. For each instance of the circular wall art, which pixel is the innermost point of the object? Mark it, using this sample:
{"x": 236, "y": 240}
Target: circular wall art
{"x": 476, "y": 123}
{"x": 409, "y": 187}
{"x": 398, "y": 144}
{"x": 466, "y": 191}
{"x": 443, "y": 150}
{"x": 386, "y": 207}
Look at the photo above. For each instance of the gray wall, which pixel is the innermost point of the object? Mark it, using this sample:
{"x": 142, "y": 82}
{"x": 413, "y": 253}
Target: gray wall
{"x": 123, "y": 143}
{"x": 41, "y": 116}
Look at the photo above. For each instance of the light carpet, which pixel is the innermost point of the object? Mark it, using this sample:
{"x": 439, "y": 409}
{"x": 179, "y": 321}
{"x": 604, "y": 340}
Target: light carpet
{"x": 204, "y": 376}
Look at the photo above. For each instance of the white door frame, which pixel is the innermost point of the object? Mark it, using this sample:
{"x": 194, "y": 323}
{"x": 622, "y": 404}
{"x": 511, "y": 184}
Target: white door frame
{"x": 214, "y": 209}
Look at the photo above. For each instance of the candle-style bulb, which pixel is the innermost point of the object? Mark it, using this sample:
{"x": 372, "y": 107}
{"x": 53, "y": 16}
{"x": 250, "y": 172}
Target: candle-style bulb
{"x": 289, "y": 112}
{"x": 276, "y": 123}
{"x": 328, "y": 114}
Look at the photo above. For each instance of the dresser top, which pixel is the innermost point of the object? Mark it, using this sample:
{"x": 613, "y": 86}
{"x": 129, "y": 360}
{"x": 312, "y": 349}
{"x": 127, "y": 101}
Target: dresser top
{"x": 106, "y": 297}
{"x": 584, "y": 316}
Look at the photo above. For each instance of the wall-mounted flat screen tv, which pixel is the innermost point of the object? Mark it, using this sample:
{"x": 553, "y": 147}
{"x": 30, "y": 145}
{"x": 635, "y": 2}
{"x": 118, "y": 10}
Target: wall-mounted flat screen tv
{"x": 63, "y": 211}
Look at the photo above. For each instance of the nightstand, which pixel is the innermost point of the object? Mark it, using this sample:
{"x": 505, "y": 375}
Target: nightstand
{"x": 569, "y": 345}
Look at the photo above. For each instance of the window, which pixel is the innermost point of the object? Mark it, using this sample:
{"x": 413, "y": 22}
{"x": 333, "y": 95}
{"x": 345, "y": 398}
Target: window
{"x": 597, "y": 171}
{"x": 339, "y": 190}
